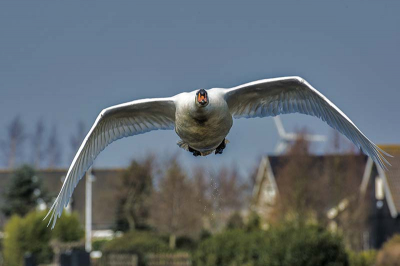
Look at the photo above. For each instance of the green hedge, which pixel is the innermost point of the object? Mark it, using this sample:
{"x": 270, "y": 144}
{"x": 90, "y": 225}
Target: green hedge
{"x": 283, "y": 245}
{"x": 136, "y": 242}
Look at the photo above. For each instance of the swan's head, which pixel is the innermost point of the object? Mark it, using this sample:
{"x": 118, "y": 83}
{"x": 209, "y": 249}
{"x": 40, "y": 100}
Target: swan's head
{"x": 202, "y": 98}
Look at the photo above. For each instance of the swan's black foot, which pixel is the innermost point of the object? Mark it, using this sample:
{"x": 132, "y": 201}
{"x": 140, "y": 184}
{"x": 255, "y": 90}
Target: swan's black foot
{"x": 220, "y": 148}
{"x": 195, "y": 153}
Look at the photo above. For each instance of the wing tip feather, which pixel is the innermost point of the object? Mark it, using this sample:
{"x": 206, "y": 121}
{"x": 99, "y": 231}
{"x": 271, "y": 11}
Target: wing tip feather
{"x": 54, "y": 213}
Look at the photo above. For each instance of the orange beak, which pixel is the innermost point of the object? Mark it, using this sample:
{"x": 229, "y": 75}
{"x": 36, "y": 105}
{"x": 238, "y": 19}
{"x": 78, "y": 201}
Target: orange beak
{"x": 200, "y": 98}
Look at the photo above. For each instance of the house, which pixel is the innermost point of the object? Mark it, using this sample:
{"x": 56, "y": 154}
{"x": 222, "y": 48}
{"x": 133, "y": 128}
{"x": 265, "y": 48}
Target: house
{"x": 105, "y": 191}
{"x": 367, "y": 186}
{"x": 381, "y": 189}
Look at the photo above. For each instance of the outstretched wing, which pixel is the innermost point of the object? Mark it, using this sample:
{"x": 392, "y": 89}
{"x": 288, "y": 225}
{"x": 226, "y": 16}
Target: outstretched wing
{"x": 113, "y": 123}
{"x": 271, "y": 97}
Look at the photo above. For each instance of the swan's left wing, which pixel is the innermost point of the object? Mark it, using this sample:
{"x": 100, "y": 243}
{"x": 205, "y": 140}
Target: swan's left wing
{"x": 271, "y": 97}
{"x": 113, "y": 123}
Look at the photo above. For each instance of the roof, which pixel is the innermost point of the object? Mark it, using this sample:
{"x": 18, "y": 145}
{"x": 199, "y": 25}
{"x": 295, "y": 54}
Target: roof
{"x": 347, "y": 166}
{"x": 272, "y": 168}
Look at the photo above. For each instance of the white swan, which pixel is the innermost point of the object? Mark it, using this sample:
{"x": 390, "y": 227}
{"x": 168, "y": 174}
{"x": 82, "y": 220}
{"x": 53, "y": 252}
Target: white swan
{"x": 202, "y": 119}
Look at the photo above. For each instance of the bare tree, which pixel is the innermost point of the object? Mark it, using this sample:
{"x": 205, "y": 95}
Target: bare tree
{"x": 298, "y": 184}
{"x": 343, "y": 173}
{"x": 232, "y": 190}
{"x": 12, "y": 147}
{"x": 54, "y": 149}
{"x": 339, "y": 145}
{"x": 324, "y": 189}
{"x": 174, "y": 204}
{"x": 202, "y": 191}
{"x": 203, "y": 204}
{"x": 228, "y": 196}
{"x": 77, "y": 138}
{"x": 38, "y": 147}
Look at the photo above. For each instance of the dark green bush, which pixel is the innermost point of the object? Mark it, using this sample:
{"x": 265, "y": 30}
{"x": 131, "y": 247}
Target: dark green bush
{"x": 235, "y": 247}
{"x": 307, "y": 245}
{"x": 205, "y": 234}
{"x": 140, "y": 243}
{"x": 283, "y": 245}
{"x": 31, "y": 235}
{"x": 235, "y": 221}
{"x": 254, "y": 222}
{"x": 98, "y": 244}
{"x": 185, "y": 243}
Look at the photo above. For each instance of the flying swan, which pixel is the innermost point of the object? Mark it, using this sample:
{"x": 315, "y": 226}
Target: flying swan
{"x": 202, "y": 119}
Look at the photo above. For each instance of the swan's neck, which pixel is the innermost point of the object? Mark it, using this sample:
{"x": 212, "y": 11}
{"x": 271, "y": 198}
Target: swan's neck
{"x": 199, "y": 112}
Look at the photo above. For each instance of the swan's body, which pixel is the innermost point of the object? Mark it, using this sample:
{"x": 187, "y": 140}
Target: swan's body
{"x": 203, "y": 119}
{"x": 202, "y": 128}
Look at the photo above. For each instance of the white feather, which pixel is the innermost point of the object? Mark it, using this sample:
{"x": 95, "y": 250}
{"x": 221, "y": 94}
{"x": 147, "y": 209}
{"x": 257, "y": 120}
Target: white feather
{"x": 113, "y": 123}
{"x": 271, "y": 97}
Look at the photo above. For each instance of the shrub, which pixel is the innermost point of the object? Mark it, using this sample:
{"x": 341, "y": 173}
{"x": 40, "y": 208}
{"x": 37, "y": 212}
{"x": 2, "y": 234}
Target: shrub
{"x": 139, "y": 243}
{"x": 36, "y": 237}
{"x": 205, "y": 234}
{"x": 364, "y": 258}
{"x": 390, "y": 253}
{"x": 12, "y": 250}
{"x": 283, "y": 245}
{"x": 235, "y": 247}
{"x": 68, "y": 228}
{"x": 98, "y": 244}
{"x": 185, "y": 243}
{"x": 306, "y": 245}
{"x": 31, "y": 235}
{"x": 23, "y": 235}
{"x": 235, "y": 221}
{"x": 254, "y": 222}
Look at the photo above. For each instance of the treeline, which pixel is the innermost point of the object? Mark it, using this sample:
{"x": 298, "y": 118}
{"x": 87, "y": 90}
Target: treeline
{"x": 40, "y": 146}
{"x": 163, "y": 196}
{"x": 158, "y": 200}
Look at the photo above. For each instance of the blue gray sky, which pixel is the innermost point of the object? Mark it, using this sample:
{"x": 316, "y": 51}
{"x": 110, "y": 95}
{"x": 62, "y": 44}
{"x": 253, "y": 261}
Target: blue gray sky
{"x": 65, "y": 62}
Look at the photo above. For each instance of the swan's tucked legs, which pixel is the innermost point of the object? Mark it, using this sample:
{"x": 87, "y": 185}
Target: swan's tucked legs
{"x": 220, "y": 148}
{"x": 195, "y": 153}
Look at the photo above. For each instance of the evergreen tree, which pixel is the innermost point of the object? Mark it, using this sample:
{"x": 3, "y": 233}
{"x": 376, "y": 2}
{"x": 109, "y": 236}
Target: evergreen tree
{"x": 23, "y": 192}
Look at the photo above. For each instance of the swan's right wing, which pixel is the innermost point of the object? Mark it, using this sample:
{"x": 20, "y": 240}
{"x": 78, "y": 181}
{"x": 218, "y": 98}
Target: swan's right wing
{"x": 271, "y": 97}
{"x": 113, "y": 123}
